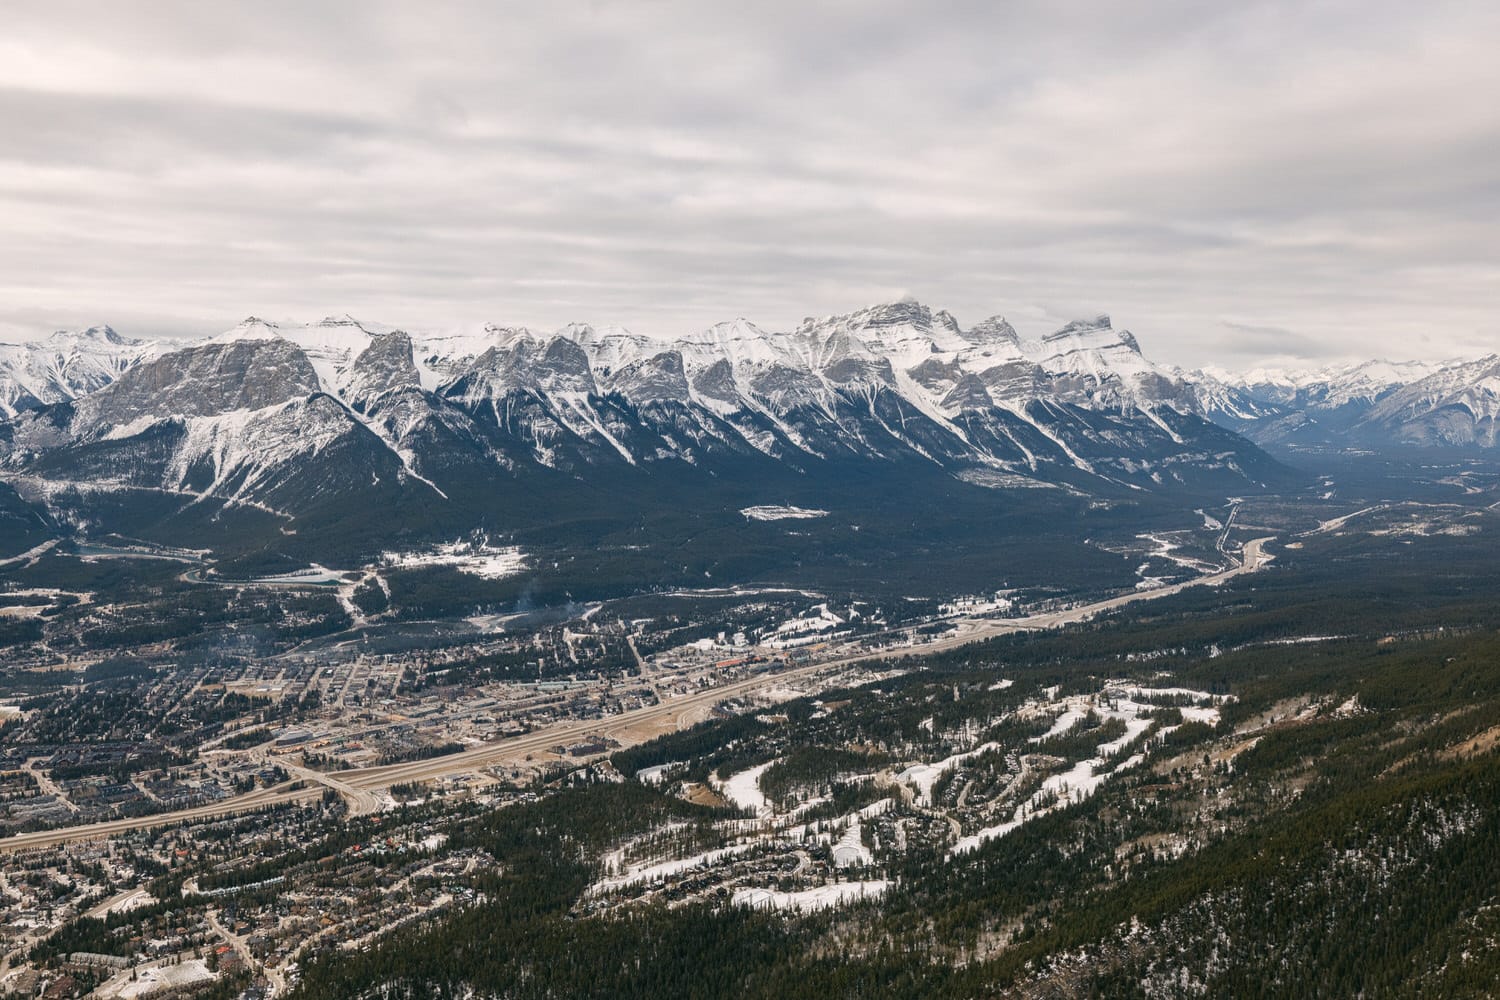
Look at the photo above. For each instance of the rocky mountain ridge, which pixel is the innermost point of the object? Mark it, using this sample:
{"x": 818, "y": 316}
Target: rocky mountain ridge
{"x": 1080, "y": 408}
{"x": 1373, "y": 404}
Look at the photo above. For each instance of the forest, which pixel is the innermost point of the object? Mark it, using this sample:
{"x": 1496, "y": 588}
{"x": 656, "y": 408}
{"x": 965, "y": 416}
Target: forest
{"x": 1348, "y": 845}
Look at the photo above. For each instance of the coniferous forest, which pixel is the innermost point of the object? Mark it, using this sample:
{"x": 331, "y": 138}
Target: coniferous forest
{"x": 1336, "y": 832}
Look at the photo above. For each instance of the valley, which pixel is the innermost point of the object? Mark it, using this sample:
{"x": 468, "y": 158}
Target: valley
{"x": 984, "y": 663}
{"x": 768, "y": 779}
{"x": 830, "y": 666}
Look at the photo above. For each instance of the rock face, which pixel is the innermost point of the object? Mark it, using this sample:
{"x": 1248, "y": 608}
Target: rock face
{"x": 385, "y": 367}
{"x": 202, "y": 381}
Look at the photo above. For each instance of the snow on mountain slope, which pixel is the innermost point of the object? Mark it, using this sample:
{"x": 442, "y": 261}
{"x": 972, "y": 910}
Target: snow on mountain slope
{"x": 65, "y": 365}
{"x": 1456, "y": 405}
{"x": 890, "y": 383}
{"x": 1334, "y": 385}
{"x": 330, "y": 345}
{"x": 882, "y": 343}
{"x": 1369, "y": 404}
{"x": 357, "y": 415}
{"x": 739, "y": 342}
{"x": 251, "y": 454}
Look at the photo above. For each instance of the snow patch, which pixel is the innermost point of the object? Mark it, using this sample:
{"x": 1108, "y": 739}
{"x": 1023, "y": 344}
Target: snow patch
{"x": 475, "y": 558}
{"x": 821, "y": 898}
{"x": 782, "y": 513}
{"x": 743, "y": 789}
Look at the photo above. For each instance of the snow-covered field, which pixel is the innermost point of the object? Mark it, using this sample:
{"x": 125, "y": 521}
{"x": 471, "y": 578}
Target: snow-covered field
{"x": 190, "y": 974}
{"x": 782, "y": 513}
{"x": 819, "y": 898}
{"x": 658, "y": 773}
{"x": 923, "y": 777}
{"x": 743, "y": 789}
{"x": 475, "y": 558}
{"x": 817, "y": 624}
{"x": 1116, "y": 701}
{"x": 647, "y": 874}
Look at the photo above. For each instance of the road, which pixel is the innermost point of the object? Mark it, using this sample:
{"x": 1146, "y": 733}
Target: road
{"x": 261, "y": 798}
{"x": 33, "y": 553}
{"x": 232, "y": 939}
{"x": 360, "y": 801}
{"x": 47, "y": 785}
{"x": 359, "y": 784}
{"x": 120, "y": 901}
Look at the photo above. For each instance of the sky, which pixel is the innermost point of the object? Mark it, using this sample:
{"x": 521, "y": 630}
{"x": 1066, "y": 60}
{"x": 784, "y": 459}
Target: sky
{"x": 1238, "y": 183}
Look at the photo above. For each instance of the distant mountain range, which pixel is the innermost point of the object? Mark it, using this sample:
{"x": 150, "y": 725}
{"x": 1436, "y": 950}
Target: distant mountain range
{"x": 1376, "y": 404}
{"x": 64, "y": 366}
{"x": 292, "y": 419}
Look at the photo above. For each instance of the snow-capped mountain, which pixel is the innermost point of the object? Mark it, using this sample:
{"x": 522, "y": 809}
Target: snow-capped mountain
{"x": 1371, "y": 404}
{"x": 1458, "y": 406}
{"x": 283, "y": 415}
{"x": 1331, "y": 386}
{"x": 66, "y": 365}
{"x": 237, "y": 420}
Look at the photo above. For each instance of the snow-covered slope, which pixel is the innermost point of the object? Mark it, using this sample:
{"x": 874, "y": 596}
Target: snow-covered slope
{"x": 66, "y": 365}
{"x": 923, "y": 354}
{"x": 237, "y": 414}
{"x": 1369, "y": 404}
{"x": 1456, "y": 405}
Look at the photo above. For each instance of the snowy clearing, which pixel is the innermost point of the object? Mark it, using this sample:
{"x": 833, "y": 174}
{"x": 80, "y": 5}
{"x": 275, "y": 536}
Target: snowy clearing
{"x": 779, "y": 513}
{"x": 820, "y": 898}
{"x": 657, "y": 774}
{"x": 1116, "y": 701}
{"x": 923, "y": 777}
{"x": 743, "y": 789}
{"x": 475, "y": 558}
{"x": 646, "y": 874}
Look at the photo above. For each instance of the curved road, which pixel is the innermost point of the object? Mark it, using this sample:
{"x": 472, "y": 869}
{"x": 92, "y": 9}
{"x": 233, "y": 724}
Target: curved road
{"x": 358, "y": 784}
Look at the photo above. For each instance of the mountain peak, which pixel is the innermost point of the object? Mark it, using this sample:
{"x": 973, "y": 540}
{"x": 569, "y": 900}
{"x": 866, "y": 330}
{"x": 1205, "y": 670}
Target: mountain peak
{"x": 505, "y": 336}
{"x": 249, "y": 328}
{"x": 1094, "y": 334}
{"x": 905, "y": 310}
{"x": 1082, "y": 326}
{"x": 95, "y": 334}
{"x": 995, "y": 330}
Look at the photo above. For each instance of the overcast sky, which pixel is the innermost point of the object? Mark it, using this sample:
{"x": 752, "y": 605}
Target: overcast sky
{"x": 1236, "y": 182}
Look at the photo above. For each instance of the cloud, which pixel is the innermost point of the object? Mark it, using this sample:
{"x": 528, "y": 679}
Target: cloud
{"x": 1325, "y": 169}
{"x": 1248, "y": 340}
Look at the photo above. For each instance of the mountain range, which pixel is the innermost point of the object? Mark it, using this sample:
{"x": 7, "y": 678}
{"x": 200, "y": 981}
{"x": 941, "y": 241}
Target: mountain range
{"x": 1374, "y": 404}
{"x": 508, "y": 426}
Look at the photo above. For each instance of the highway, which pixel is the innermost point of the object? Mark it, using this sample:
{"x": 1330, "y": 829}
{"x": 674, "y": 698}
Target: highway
{"x": 259, "y": 799}
{"x": 358, "y": 785}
